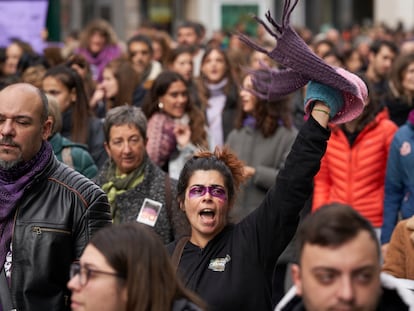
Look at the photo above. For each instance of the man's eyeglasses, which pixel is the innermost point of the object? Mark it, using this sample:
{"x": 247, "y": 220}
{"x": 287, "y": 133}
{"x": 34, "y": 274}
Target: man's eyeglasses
{"x": 214, "y": 190}
{"x": 85, "y": 273}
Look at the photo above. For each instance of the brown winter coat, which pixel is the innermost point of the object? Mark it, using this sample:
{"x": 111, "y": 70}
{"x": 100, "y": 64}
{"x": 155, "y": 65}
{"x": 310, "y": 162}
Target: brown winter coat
{"x": 399, "y": 259}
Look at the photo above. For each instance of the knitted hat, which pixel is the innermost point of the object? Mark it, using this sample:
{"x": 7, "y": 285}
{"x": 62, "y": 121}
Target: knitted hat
{"x": 304, "y": 65}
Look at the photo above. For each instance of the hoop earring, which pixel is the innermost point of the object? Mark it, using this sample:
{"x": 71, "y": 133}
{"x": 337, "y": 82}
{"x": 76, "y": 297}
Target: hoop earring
{"x": 160, "y": 105}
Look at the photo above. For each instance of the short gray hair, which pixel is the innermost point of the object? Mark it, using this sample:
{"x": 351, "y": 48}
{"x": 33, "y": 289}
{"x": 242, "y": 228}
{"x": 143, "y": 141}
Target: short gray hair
{"x": 125, "y": 115}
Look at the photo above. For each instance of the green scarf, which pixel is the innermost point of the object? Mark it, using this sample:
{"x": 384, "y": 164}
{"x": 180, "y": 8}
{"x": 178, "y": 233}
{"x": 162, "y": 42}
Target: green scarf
{"x": 119, "y": 183}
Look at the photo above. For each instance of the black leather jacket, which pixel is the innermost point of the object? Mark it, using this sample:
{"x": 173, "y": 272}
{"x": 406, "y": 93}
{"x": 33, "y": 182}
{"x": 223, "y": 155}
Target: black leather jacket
{"x": 54, "y": 220}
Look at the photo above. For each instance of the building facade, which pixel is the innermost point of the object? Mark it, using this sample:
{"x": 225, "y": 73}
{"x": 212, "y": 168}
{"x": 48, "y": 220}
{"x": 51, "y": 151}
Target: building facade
{"x": 127, "y": 15}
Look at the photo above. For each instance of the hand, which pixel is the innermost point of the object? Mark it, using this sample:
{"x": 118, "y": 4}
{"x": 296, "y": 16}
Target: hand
{"x": 249, "y": 171}
{"x": 97, "y": 96}
{"x": 182, "y": 134}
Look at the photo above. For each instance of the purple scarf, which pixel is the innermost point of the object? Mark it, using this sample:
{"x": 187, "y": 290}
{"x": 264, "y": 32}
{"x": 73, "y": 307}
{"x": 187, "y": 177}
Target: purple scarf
{"x": 12, "y": 184}
{"x": 250, "y": 121}
{"x": 99, "y": 61}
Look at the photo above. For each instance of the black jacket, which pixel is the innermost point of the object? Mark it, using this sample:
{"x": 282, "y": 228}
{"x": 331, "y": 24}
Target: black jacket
{"x": 54, "y": 221}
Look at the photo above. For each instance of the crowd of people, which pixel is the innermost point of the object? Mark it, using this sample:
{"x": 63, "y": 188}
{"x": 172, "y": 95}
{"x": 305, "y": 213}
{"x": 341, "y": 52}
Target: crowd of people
{"x": 171, "y": 171}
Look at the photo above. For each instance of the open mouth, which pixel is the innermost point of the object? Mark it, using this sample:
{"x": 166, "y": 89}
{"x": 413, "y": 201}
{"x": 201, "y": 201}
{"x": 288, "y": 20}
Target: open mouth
{"x": 207, "y": 214}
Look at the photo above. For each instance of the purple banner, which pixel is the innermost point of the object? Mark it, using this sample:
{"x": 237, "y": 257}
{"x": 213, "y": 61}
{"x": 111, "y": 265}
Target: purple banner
{"x": 24, "y": 20}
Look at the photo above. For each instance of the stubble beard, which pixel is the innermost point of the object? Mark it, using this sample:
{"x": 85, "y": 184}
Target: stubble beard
{"x": 7, "y": 165}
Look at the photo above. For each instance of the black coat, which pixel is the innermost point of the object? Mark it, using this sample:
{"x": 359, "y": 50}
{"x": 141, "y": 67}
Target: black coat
{"x": 55, "y": 218}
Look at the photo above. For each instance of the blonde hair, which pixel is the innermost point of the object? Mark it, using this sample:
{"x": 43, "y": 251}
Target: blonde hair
{"x": 54, "y": 114}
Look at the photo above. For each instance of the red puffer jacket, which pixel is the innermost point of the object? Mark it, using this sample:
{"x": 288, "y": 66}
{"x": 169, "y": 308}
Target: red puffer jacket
{"x": 355, "y": 175}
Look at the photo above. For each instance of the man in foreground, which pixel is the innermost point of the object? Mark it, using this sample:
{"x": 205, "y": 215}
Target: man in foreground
{"x": 339, "y": 266}
{"x": 48, "y": 211}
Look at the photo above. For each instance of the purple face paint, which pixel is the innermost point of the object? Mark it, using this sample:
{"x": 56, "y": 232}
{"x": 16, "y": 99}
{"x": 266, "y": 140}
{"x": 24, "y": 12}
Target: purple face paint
{"x": 216, "y": 191}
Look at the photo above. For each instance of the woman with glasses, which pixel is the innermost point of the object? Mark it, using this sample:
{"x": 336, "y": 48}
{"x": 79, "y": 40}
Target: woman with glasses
{"x": 113, "y": 274}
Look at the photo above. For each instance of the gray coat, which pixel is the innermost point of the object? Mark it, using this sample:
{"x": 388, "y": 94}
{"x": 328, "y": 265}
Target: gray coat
{"x": 266, "y": 155}
{"x": 172, "y": 222}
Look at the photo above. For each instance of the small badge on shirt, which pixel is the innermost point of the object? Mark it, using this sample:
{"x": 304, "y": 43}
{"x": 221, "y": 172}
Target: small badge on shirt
{"x": 150, "y": 210}
{"x": 219, "y": 264}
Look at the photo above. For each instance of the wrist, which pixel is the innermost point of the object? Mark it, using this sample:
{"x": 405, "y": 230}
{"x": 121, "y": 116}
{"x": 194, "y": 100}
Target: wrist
{"x": 321, "y": 113}
{"x": 320, "y": 107}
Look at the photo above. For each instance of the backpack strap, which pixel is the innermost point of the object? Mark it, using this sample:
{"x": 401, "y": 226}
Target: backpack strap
{"x": 168, "y": 196}
{"x": 179, "y": 248}
{"x": 178, "y": 251}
